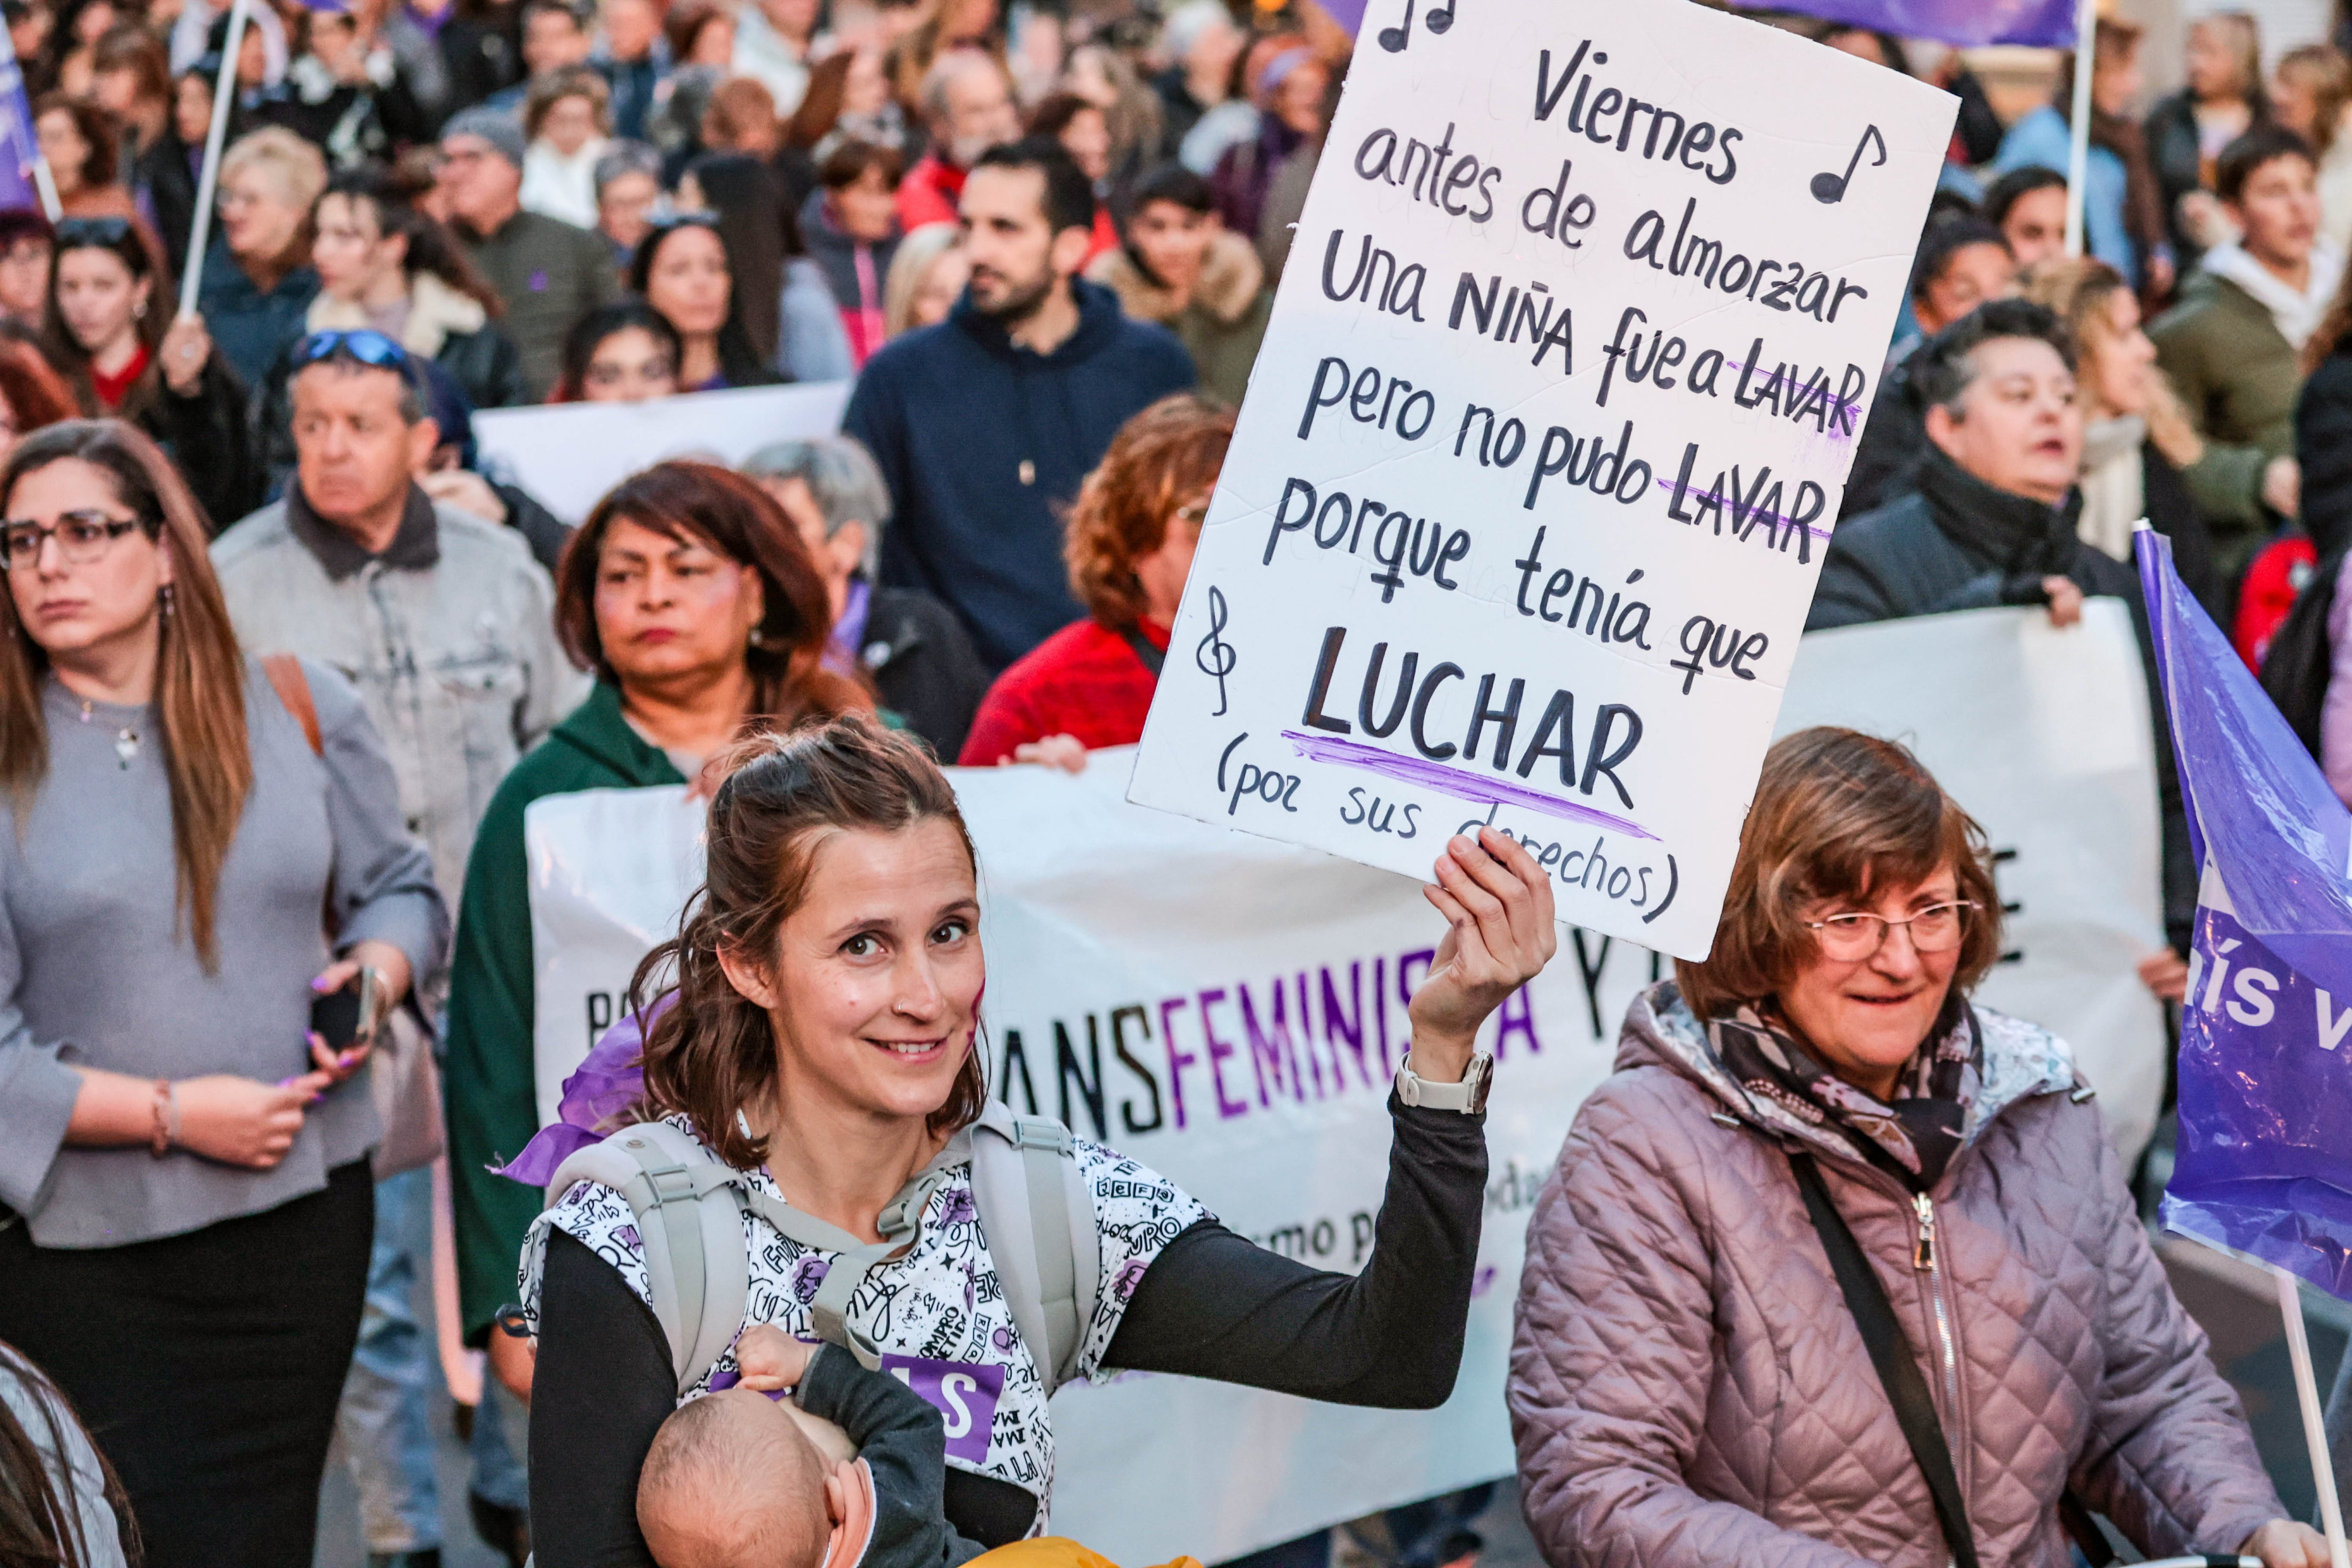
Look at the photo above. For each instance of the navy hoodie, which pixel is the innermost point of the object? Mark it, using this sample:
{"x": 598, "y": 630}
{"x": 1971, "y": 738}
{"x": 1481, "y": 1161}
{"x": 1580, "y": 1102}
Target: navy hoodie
{"x": 984, "y": 445}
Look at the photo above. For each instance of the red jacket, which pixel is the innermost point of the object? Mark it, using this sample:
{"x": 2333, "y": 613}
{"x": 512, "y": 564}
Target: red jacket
{"x": 930, "y": 192}
{"x": 1084, "y": 680}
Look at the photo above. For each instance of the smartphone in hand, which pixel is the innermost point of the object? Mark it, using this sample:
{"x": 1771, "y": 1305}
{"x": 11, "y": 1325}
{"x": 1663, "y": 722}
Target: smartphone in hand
{"x": 349, "y": 1016}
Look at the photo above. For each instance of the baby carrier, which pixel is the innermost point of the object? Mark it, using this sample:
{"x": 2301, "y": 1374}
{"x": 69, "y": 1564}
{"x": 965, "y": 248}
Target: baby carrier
{"x": 1033, "y": 1209}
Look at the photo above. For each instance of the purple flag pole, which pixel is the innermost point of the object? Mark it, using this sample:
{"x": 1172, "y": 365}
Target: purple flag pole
{"x": 2263, "y": 1166}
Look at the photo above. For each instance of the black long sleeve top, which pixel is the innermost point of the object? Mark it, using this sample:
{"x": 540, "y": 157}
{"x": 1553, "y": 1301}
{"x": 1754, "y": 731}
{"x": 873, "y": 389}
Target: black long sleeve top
{"x": 1212, "y": 1305}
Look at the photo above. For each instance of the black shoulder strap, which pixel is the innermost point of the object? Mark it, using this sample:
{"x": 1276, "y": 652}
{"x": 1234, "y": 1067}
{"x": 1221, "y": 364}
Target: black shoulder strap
{"x": 1151, "y": 657}
{"x": 1906, "y": 1390}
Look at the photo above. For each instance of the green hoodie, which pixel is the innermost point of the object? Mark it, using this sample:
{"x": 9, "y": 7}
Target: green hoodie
{"x": 492, "y": 1101}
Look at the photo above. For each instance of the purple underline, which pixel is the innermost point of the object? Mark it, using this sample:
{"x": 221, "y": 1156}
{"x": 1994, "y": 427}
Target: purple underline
{"x": 1774, "y": 517}
{"x": 1454, "y": 782}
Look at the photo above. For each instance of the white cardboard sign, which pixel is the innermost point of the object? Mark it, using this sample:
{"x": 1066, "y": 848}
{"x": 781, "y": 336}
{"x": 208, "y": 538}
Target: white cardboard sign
{"x": 567, "y": 455}
{"x": 1542, "y": 451}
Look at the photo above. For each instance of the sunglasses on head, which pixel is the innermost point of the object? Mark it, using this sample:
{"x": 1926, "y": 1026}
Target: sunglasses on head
{"x": 364, "y": 345}
{"x": 76, "y": 231}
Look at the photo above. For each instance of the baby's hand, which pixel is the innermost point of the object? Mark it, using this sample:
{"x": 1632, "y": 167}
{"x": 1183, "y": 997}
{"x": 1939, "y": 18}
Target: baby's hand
{"x": 772, "y": 1360}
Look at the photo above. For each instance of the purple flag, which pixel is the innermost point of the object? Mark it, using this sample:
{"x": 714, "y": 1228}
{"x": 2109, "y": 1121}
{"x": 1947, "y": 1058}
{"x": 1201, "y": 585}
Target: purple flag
{"x": 2265, "y": 1158}
{"x": 2047, "y": 24}
{"x": 18, "y": 150}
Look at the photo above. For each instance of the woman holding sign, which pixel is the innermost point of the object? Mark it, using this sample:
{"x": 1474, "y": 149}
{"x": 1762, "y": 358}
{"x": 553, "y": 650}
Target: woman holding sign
{"x": 822, "y": 1056}
{"x": 1815, "y": 1156}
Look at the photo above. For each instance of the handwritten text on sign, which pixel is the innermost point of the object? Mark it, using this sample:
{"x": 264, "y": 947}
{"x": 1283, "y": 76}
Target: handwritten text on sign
{"x": 1538, "y": 460}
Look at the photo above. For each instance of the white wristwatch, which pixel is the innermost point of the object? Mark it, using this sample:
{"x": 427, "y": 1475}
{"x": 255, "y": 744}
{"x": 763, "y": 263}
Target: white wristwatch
{"x": 1468, "y": 1097}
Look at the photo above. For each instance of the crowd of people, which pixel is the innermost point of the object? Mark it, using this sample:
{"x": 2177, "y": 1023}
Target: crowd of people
{"x": 266, "y": 598}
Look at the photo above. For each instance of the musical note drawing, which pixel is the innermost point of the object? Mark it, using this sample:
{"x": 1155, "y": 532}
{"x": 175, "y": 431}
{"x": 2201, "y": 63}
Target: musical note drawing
{"x": 1215, "y": 655}
{"x": 1829, "y": 187}
{"x": 1393, "y": 38}
{"x": 1437, "y": 20}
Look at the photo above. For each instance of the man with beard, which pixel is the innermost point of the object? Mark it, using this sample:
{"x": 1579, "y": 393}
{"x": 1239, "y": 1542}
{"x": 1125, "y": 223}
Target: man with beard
{"x": 985, "y": 425}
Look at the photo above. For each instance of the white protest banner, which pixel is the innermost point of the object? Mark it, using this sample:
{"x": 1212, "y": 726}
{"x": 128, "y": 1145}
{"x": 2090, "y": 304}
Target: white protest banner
{"x": 610, "y": 873}
{"x": 1540, "y": 455}
{"x": 569, "y": 454}
{"x": 1228, "y": 1010}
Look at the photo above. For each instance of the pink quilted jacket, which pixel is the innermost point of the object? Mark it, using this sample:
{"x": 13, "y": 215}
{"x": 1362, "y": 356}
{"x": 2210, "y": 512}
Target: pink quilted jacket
{"x": 1688, "y": 1388}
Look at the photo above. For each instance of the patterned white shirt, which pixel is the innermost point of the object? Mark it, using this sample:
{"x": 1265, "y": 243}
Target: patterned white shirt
{"x": 939, "y": 1313}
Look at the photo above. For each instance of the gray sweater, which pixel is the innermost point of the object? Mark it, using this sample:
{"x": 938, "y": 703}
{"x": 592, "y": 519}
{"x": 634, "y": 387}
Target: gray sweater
{"x": 97, "y": 966}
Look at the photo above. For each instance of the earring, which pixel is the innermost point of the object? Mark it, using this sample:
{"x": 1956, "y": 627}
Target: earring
{"x": 758, "y": 639}
{"x": 166, "y": 595}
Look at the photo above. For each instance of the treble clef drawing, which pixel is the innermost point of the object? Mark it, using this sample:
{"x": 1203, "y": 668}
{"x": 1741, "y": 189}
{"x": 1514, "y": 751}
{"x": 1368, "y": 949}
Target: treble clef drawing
{"x": 1215, "y": 655}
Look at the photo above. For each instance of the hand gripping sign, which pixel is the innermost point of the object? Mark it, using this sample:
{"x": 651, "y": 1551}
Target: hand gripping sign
{"x": 1544, "y": 446}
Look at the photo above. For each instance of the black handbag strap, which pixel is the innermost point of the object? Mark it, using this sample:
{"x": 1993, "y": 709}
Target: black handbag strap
{"x": 1151, "y": 657}
{"x": 1906, "y": 1390}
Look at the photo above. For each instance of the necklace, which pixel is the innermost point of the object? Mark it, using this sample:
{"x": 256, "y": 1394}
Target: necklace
{"x": 126, "y": 739}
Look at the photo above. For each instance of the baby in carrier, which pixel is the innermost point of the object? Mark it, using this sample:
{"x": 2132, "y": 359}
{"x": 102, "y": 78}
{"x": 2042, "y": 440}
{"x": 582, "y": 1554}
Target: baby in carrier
{"x": 851, "y": 1472}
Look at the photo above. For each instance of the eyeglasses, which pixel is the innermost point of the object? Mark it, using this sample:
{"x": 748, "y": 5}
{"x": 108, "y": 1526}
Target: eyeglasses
{"x": 1938, "y": 927}
{"x": 82, "y": 537}
{"x": 79, "y": 231}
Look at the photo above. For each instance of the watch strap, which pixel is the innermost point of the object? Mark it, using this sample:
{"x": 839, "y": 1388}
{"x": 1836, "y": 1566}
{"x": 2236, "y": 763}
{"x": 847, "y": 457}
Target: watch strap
{"x": 1468, "y": 1096}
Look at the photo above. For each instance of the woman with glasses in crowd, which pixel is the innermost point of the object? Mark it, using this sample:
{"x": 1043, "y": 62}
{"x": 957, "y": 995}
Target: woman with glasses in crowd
{"x": 1132, "y": 532}
{"x": 690, "y": 596}
{"x": 623, "y": 353}
{"x": 682, "y": 271}
{"x": 1690, "y": 1380}
{"x": 105, "y": 331}
{"x": 186, "y": 1160}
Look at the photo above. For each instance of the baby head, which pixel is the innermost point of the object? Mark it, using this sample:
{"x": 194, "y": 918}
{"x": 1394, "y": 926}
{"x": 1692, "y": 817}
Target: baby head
{"x": 732, "y": 1482}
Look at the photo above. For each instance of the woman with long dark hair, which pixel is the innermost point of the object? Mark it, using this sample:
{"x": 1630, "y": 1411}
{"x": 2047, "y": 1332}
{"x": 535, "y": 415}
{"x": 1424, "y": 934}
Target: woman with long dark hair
{"x": 686, "y": 270}
{"x": 691, "y": 595}
{"x": 106, "y": 332}
{"x": 188, "y": 1161}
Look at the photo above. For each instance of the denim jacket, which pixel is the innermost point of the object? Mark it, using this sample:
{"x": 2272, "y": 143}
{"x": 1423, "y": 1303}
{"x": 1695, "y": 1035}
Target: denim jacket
{"x": 449, "y": 636}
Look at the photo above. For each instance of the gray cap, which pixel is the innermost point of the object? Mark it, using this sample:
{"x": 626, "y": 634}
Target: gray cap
{"x": 500, "y": 131}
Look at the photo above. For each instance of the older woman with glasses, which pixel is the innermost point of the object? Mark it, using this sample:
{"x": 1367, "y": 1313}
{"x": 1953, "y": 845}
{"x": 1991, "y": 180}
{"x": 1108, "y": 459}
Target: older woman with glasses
{"x": 1131, "y": 536}
{"x": 1840, "y": 1267}
{"x": 206, "y": 843}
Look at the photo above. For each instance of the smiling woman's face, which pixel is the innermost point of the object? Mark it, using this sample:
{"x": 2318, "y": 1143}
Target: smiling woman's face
{"x": 1866, "y": 1017}
{"x": 873, "y": 991}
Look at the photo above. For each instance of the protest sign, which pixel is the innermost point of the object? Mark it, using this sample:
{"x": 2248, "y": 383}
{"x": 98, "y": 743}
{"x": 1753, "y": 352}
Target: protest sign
{"x": 569, "y": 454}
{"x": 1542, "y": 451}
{"x": 1228, "y": 1010}
{"x": 610, "y": 873}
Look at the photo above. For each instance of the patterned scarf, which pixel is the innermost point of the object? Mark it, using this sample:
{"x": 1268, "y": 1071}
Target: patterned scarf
{"x": 1914, "y": 1138}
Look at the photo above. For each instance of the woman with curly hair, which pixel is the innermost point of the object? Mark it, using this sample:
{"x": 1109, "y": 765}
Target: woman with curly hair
{"x": 1130, "y": 548}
